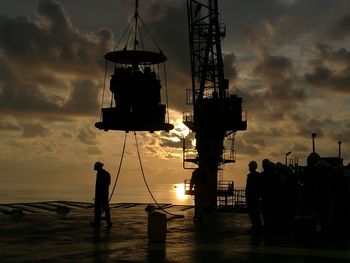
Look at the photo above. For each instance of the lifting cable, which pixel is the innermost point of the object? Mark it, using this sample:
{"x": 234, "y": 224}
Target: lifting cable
{"x": 144, "y": 179}
{"x": 120, "y": 166}
{"x": 104, "y": 89}
{"x": 166, "y": 93}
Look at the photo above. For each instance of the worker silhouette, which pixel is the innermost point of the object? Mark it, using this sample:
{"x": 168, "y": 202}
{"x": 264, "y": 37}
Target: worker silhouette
{"x": 101, "y": 203}
{"x": 198, "y": 183}
{"x": 253, "y": 196}
{"x": 270, "y": 208}
{"x": 119, "y": 88}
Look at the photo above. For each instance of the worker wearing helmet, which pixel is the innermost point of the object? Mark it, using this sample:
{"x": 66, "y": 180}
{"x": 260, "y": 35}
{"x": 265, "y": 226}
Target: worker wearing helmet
{"x": 253, "y": 195}
{"x": 103, "y": 180}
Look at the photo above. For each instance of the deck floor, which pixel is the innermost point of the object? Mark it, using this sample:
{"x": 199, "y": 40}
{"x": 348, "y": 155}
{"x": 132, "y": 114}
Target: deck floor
{"x": 44, "y": 232}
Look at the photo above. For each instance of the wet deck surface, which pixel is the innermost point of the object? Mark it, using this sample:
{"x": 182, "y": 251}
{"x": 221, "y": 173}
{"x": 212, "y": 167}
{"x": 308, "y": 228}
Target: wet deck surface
{"x": 46, "y": 232}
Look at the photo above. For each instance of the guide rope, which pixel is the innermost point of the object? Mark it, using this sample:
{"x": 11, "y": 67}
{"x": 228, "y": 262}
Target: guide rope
{"x": 120, "y": 166}
{"x": 144, "y": 179}
{"x": 104, "y": 89}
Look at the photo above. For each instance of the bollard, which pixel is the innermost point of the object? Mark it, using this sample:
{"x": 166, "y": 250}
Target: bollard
{"x": 156, "y": 227}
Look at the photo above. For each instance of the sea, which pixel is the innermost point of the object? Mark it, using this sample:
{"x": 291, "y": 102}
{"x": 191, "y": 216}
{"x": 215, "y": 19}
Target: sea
{"x": 128, "y": 193}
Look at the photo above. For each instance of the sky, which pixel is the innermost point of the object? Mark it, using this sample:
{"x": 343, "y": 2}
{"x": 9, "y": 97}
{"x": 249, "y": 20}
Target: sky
{"x": 288, "y": 59}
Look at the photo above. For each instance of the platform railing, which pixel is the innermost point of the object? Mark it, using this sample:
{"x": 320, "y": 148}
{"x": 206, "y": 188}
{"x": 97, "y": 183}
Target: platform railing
{"x": 227, "y": 196}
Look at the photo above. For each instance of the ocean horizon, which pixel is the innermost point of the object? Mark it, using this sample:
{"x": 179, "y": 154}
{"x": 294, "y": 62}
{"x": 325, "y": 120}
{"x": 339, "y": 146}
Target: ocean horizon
{"x": 128, "y": 193}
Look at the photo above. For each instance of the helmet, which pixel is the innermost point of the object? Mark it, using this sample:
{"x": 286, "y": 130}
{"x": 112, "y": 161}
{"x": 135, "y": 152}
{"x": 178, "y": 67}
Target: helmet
{"x": 253, "y": 165}
{"x": 265, "y": 163}
{"x": 98, "y": 165}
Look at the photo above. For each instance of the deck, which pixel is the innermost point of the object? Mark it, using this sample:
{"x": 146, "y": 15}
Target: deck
{"x": 59, "y": 231}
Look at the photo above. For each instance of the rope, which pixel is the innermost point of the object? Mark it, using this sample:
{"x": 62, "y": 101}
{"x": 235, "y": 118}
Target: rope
{"x": 126, "y": 30}
{"x": 120, "y": 166}
{"x": 150, "y": 35}
{"x": 104, "y": 88}
{"x": 144, "y": 179}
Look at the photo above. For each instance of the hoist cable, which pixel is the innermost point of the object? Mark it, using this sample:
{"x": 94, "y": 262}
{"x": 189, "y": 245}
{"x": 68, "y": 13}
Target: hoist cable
{"x": 144, "y": 179}
{"x": 149, "y": 33}
{"x": 120, "y": 166}
{"x": 166, "y": 93}
{"x": 125, "y": 31}
{"x": 127, "y": 40}
{"x": 103, "y": 91}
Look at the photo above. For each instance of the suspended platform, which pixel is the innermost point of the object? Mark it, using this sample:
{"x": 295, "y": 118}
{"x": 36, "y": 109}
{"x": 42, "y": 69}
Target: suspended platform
{"x": 139, "y": 120}
{"x": 135, "y": 85}
{"x": 135, "y": 57}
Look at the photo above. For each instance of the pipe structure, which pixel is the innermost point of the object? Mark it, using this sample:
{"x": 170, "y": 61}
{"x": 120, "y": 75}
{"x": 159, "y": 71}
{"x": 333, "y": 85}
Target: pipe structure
{"x": 288, "y": 153}
{"x": 313, "y": 141}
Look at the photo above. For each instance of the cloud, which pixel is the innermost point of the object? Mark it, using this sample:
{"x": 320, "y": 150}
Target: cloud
{"x": 87, "y": 136}
{"x": 276, "y": 91}
{"x": 149, "y": 10}
{"x": 331, "y": 69}
{"x": 32, "y": 130}
{"x": 52, "y": 42}
{"x": 287, "y": 2}
{"x": 341, "y": 29}
{"x": 48, "y": 66}
{"x": 93, "y": 150}
{"x": 230, "y": 64}
{"x": 82, "y": 100}
{"x": 6, "y": 125}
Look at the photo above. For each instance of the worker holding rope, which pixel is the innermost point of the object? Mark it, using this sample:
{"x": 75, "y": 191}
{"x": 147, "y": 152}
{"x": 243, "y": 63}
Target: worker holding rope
{"x": 103, "y": 180}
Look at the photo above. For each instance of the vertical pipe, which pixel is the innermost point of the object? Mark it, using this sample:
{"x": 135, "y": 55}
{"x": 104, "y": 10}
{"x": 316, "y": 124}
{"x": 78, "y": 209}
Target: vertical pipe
{"x": 313, "y": 142}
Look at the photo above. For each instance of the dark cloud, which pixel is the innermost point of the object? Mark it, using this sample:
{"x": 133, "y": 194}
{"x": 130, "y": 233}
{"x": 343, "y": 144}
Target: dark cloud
{"x": 309, "y": 125}
{"x": 41, "y": 59}
{"x": 341, "y": 29}
{"x": 8, "y": 126}
{"x": 230, "y": 66}
{"x": 93, "y": 150}
{"x": 52, "y": 42}
{"x": 246, "y": 148}
{"x": 21, "y": 100}
{"x": 332, "y": 70}
{"x": 32, "y": 130}
{"x": 83, "y": 98}
{"x": 277, "y": 92}
{"x": 298, "y": 147}
{"x": 87, "y": 136}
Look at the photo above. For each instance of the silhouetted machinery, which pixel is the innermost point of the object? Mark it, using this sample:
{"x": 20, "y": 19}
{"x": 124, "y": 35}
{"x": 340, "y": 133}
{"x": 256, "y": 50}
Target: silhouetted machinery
{"x": 216, "y": 114}
{"x": 135, "y": 86}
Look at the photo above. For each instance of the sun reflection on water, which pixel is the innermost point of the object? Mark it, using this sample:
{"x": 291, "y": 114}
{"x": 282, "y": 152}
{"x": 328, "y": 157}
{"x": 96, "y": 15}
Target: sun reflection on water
{"x": 180, "y": 192}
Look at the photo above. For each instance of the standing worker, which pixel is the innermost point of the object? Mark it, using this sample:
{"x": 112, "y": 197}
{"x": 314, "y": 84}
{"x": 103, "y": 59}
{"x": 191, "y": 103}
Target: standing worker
{"x": 253, "y": 195}
{"x": 103, "y": 180}
{"x": 198, "y": 183}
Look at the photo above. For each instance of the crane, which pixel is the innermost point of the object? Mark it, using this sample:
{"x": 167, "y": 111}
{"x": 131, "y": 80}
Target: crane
{"x": 216, "y": 113}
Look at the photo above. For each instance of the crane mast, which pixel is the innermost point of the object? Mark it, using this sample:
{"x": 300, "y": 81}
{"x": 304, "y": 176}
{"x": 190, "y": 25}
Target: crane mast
{"x": 216, "y": 113}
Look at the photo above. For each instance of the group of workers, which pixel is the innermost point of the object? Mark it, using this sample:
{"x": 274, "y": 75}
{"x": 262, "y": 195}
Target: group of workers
{"x": 319, "y": 191}
{"x": 273, "y": 192}
{"x": 280, "y": 193}
{"x": 135, "y": 90}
